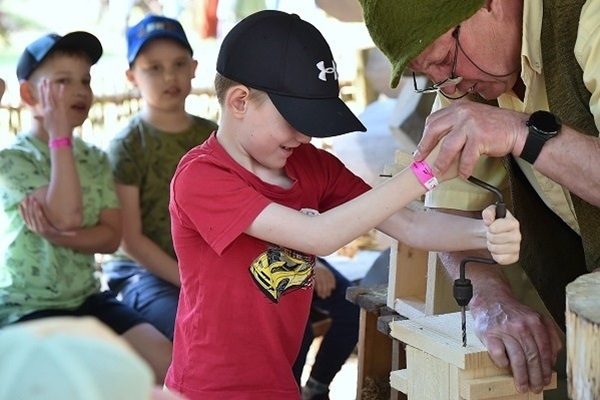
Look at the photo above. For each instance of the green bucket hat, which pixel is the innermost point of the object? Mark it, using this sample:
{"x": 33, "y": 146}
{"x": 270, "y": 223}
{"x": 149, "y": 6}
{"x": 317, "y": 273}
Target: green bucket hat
{"x": 402, "y": 29}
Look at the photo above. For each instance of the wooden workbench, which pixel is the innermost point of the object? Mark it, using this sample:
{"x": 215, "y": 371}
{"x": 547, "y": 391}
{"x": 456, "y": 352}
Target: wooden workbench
{"x": 378, "y": 353}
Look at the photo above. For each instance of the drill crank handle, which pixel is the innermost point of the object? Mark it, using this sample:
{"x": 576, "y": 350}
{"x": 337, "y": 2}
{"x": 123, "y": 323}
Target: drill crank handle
{"x": 500, "y": 205}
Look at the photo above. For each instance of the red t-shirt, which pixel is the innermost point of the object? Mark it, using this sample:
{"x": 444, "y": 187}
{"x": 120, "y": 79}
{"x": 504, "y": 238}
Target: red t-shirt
{"x": 244, "y": 302}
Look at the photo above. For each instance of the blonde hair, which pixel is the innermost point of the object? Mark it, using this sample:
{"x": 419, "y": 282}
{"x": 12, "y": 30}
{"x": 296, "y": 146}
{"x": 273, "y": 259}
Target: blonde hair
{"x": 223, "y": 84}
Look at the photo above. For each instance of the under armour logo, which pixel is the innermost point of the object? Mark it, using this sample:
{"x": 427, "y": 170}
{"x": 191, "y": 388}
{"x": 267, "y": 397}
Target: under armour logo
{"x": 328, "y": 70}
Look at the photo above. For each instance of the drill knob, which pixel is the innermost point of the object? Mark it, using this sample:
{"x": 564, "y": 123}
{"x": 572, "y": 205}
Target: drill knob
{"x": 463, "y": 291}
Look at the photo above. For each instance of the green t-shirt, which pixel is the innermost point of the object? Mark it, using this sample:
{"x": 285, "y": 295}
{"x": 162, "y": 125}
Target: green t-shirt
{"x": 35, "y": 274}
{"x": 146, "y": 157}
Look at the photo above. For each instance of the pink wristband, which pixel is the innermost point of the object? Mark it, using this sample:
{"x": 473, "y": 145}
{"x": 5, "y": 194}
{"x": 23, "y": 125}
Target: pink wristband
{"x": 60, "y": 142}
{"x": 424, "y": 174}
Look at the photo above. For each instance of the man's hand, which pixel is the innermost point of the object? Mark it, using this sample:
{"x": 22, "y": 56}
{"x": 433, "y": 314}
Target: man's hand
{"x": 503, "y": 236}
{"x": 324, "y": 280}
{"x": 471, "y": 130}
{"x": 516, "y": 336}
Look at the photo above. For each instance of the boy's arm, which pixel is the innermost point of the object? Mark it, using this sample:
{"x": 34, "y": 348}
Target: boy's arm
{"x": 445, "y": 232}
{"x": 103, "y": 237}
{"x": 325, "y": 233}
{"x": 138, "y": 246}
{"x": 62, "y": 198}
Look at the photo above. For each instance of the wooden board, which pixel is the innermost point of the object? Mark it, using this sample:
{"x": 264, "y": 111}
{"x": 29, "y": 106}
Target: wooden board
{"x": 440, "y": 368}
{"x": 441, "y": 336}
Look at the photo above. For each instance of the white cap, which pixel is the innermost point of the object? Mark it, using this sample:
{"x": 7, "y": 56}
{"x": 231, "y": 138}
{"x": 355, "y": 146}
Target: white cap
{"x": 70, "y": 358}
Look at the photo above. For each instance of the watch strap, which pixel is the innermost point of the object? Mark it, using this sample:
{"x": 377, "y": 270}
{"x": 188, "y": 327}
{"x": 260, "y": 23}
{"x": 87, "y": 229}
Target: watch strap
{"x": 533, "y": 147}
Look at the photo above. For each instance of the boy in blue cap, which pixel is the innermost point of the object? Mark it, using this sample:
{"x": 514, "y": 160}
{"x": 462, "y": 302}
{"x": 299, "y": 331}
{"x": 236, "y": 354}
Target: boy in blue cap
{"x": 58, "y": 204}
{"x": 254, "y": 204}
{"x": 144, "y": 156}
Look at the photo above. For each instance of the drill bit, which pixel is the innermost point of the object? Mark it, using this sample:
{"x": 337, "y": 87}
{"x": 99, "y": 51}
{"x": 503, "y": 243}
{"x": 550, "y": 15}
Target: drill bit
{"x": 463, "y": 288}
{"x": 463, "y": 325}
{"x": 463, "y": 292}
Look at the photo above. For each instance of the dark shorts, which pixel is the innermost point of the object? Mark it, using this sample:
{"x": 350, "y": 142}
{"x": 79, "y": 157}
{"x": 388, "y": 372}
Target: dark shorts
{"x": 154, "y": 298}
{"x": 103, "y": 306}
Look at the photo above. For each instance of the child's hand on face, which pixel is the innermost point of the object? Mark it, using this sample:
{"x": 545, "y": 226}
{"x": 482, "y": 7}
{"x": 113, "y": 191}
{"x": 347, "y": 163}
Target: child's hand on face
{"x": 53, "y": 109}
{"x": 503, "y": 236}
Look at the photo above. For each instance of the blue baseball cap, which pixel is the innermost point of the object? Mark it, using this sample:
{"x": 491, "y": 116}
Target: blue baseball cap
{"x": 154, "y": 27}
{"x": 37, "y": 51}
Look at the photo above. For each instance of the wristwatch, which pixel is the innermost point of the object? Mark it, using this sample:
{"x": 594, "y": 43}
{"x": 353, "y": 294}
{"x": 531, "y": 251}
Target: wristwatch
{"x": 543, "y": 125}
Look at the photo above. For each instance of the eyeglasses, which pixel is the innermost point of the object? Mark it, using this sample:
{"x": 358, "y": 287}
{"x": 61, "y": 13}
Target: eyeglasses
{"x": 450, "y": 81}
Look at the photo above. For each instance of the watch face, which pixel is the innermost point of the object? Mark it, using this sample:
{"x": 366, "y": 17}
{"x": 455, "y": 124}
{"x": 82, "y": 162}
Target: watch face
{"x": 544, "y": 122}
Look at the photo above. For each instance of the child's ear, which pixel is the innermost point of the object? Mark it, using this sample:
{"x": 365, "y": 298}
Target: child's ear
{"x": 194, "y": 68}
{"x": 237, "y": 100}
{"x": 130, "y": 75}
{"x": 27, "y": 90}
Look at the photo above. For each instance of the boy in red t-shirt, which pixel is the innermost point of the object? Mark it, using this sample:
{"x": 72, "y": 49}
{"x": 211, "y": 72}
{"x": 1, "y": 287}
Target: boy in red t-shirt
{"x": 254, "y": 204}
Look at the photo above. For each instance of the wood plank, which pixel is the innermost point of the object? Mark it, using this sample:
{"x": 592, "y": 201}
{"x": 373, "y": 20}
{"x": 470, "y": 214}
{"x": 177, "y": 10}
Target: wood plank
{"x": 399, "y": 380}
{"x": 410, "y": 306}
{"x": 371, "y": 298}
{"x": 398, "y": 363}
{"x": 428, "y": 376}
{"x": 374, "y": 352}
{"x": 440, "y": 335}
{"x": 408, "y": 273}
{"x": 439, "y": 298}
{"x": 497, "y": 387}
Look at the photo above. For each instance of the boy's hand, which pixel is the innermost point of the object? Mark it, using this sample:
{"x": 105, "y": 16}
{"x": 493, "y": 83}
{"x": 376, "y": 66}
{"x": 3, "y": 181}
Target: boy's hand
{"x": 33, "y": 215}
{"x": 53, "y": 109}
{"x": 503, "y": 236}
{"x": 324, "y": 280}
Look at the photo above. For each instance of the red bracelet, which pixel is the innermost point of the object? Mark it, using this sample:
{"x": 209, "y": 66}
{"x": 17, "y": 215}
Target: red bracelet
{"x": 424, "y": 174}
{"x": 60, "y": 142}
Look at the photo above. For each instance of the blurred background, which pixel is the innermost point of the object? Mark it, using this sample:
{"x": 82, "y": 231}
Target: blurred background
{"x": 205, "y": 22}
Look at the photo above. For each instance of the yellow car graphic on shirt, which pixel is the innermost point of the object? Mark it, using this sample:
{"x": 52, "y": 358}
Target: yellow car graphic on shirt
{"x": 280, "y": 270}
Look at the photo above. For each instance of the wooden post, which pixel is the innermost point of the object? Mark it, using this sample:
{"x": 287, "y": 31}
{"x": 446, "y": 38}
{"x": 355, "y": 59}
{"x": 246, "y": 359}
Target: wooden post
{"x": 583, "y": 337}
{"x": 375, "y": 349}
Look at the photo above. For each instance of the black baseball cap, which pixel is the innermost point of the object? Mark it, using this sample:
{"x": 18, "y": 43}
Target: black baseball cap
{"x": 154, "y": 27}
{"x": 36, "y": 52}
{"x": 290, "y": 60}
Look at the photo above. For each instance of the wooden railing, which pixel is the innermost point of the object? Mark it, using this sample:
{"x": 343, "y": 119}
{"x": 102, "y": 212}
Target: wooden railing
{"x": 111, "y": 112}
{"x": 107, "y": 116}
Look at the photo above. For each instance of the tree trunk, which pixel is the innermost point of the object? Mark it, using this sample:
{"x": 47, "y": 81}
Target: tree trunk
{"x": 583, "y": 337}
